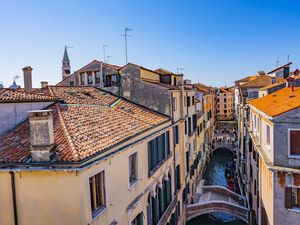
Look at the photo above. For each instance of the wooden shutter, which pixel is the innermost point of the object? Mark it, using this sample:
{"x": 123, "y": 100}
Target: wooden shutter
{"x": 288, "y": 197}
{"x": 295, "y": 142}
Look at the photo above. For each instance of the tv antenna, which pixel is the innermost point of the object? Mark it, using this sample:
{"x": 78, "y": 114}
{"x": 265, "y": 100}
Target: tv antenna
{"x": 179, "y": 70}
{"x": 125, "y": 36}
{"x": 107, "y": 58}
{"x": 277, "y": 61}
{"x": 104, "y": 57}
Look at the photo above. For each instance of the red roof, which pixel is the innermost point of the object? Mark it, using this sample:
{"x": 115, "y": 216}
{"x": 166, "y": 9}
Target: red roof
{"x": 89, "y": 122}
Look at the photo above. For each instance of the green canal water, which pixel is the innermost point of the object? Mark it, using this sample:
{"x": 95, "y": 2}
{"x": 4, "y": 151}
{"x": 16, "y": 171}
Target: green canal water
{"x": 215, "y": 175}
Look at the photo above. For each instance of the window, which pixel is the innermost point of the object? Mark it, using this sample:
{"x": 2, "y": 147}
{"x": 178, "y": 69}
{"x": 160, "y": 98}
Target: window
{"x": 98, "y": 78}
{"x": 194, "y": 122}
{"x": 190, "y": 126}
{"x": 292, "y": 197}
{"x": 72, "y": 83}
{"x": 268, "y": 135}
{"x": 185, "y": 127}
{"x": 97, "y": 193}
{"x": 174, "y": 104}
{"x": 158, "y": 150}
{"x": 176, "y": 135}
{"x": 188, "y": 99}
{"x": 90, "y": 77}
{"x": 193, "y": 100}
{"x": 294, "y": 140}
{"x": 133, "y": 169}
{"x": 82, "y": 78}
{"x": 138, "y": 220}
{"x": 177, "y": 177}
{"x": 187, "y": 158}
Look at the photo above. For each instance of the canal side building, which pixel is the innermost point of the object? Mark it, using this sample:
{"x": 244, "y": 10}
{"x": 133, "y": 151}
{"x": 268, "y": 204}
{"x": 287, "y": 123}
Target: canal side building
{"x": 72, "y": 162}
{"x": 274, "y": 150}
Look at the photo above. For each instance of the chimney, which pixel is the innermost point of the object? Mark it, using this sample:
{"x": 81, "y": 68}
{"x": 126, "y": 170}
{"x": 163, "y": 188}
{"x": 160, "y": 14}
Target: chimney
{"x": 27, "y": 78}
{"x": 44, "y": 84}
{"x": 261, "y": 73}
{"x": 41, "y": 135}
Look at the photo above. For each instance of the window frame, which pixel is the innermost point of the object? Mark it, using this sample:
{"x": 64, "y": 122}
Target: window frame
{"x": 131, "y": 184}
{"x": 292, "y": 156}
{"x": 98, "y": 212}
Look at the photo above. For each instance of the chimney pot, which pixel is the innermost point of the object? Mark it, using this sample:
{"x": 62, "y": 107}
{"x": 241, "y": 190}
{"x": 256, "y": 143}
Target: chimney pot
{"x": 27, "y": 78}
{"x": 44, "y": 84}
{"x": 41, "y": 135}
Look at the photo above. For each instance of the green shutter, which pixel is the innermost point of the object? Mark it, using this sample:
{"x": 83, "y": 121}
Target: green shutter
{"x": 149, "y": 157}
{"x": 149, "y": 221}
{"x": 168, "y": 143}
{"x": 168, "y": 188}
{"x": 155, "y": 211}
{"x": 161, "y": 202}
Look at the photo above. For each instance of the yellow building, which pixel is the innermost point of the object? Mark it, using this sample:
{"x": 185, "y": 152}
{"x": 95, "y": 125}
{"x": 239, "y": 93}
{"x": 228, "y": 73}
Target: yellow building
{"x": 91, "y": 158}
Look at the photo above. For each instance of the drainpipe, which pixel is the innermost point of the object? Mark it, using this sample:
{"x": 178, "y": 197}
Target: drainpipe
{"x": 13, "y": 188}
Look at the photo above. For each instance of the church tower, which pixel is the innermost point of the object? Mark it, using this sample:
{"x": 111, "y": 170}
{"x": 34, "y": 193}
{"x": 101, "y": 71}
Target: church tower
{"x": 66, "y": 67}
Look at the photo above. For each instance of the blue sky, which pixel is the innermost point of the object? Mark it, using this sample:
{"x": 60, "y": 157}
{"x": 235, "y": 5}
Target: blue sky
{"x": 216, "y": 41}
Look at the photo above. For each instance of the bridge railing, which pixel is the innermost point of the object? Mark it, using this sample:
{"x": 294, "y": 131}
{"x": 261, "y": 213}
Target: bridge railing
{"x": 198, "y": 209}
{"x": 224, "y": 191}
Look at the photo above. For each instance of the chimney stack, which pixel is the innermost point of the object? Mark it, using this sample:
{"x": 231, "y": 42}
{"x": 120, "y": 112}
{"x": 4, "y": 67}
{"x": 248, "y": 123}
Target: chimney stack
{"x": 44, "y": 84}
{"x": 41, "y": 135}
{"x": 27, "y": 78}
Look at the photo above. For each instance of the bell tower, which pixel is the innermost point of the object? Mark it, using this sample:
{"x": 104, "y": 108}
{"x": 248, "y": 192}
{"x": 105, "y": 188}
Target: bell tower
{"x": 66, "y": 67}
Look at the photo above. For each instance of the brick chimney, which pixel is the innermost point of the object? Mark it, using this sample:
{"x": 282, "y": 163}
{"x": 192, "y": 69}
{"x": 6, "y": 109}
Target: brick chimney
{"x": 27, "y": 78}
{"x": 44, "y": 84}
{"x": 41, "y": 135}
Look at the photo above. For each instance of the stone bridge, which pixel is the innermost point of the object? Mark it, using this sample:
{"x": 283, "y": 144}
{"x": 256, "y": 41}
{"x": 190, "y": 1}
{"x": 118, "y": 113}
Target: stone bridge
{"x": 214, "y": 198}
{"x": 229, "y": 146}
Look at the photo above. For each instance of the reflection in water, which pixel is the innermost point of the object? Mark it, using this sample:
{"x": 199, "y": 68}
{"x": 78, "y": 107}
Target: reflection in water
{"x": 215, "y": 175}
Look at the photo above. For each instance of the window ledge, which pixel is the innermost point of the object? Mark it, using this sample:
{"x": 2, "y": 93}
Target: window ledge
{"x": 98, "y": 213}
{"x": 294, "y": 209}
{"x": 293, "y": 156}
{"x": 132, "y": 184}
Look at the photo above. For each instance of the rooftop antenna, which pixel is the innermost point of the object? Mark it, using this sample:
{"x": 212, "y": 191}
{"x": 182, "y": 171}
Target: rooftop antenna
{"x": 288, "y": 58}
{"x": 16, "y": 77}
{"x": 277, "y": 61}
{"x": 125, "y": 36}
{"x": 107, "y": 58}
{"x": 179, "y": 70}
{"x": 104, "y": 57}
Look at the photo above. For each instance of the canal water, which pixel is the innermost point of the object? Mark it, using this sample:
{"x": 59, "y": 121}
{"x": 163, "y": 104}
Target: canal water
{"x": 215, "y": 175}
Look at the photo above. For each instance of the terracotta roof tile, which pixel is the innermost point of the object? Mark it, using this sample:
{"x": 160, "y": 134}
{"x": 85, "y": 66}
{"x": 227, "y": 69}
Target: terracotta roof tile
{"x": 278, "y": 102}
{"x": 260, "y": 81}
{"x": 85, "y": 126}
{"x": 9, "y": 95}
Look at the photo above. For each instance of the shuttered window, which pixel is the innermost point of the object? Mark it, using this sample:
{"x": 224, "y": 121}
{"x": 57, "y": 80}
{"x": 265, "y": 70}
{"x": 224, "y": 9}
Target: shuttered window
{"x": 97, "y": 193}
{"x": 295, "y": 142}
{"x": 158, "y": 150}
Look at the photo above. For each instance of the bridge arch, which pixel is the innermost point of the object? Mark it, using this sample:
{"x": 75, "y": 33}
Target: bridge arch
{"x": 203, "y": 212}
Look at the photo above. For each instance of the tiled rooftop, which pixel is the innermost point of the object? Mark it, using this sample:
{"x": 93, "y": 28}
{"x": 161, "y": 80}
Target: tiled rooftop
{"x": 91, "y": 122}
{"x": 260, "y": 81}
{"x": 9, "y": 95}
{"x": 278, "y": 102}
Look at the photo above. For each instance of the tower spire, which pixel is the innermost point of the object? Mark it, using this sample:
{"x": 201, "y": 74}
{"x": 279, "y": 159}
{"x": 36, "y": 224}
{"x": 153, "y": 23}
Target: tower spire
{"x": 66, "y": 67}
